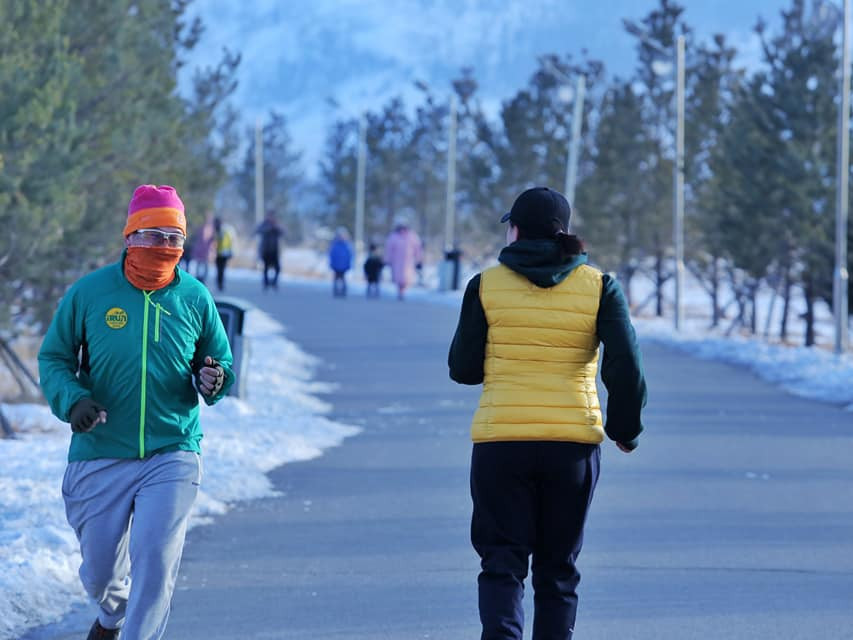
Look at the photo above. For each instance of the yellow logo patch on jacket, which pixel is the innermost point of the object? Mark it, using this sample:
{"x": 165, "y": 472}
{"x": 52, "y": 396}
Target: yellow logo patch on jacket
{"x": 116, "y": 318}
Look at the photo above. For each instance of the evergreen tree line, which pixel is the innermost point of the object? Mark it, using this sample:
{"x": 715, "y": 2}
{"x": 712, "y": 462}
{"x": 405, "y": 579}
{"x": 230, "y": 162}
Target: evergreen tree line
{"x": 760, "y": 162}
{"x": 88, "y": 108}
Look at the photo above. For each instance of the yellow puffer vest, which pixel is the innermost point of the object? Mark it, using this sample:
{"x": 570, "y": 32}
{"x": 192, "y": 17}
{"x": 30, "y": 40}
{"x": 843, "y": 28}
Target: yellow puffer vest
{"x": 541, "y": 358}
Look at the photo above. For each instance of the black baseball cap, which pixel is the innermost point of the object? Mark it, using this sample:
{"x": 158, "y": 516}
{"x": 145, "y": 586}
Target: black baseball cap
{"x": 535, "y": 211}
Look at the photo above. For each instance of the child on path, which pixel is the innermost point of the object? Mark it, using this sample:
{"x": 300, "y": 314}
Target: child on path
{"x": 372, "y": 271}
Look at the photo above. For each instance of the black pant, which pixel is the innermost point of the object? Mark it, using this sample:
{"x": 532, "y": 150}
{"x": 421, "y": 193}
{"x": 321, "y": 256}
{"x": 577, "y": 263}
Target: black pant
{"x": 271, "y": 264}
{"x": 221, "y": 262}
{"x": 339, "y": 284}
{"x": 530, "y": 498}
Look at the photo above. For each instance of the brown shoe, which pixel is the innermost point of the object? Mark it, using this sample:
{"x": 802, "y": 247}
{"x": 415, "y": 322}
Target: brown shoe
{"x": 97, "y": 632}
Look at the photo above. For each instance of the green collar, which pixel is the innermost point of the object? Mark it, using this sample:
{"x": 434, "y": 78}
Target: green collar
{"x": 540, "y": 261}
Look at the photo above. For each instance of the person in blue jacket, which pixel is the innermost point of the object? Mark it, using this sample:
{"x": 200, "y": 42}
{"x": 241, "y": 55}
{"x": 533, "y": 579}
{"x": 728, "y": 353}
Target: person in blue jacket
{"x": 129, "y": 350}
{"x": 340, "y": 261}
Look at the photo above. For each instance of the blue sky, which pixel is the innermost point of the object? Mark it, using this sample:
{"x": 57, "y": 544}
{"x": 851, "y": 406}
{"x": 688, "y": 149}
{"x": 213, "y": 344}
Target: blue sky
{"x": 297, "y": 54}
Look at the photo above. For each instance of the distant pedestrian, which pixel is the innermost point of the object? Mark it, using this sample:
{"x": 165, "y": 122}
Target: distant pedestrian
{"x": 203, "y": 240}
{"x": 372, "y": 271}
{"x": 224, "y": 242}
{"x": 529, "y": 330}
{"x": 402, "y": 253}
{"x": 128, "y": 352}
{"x": 269, "y": 249}
{"x": 340, "y": 261}
{"x": 419, "y": 265}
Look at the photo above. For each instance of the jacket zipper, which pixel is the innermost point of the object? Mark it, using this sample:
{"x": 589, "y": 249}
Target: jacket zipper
{"x": 158, "y": 308}
{"x": 147, "y": 295}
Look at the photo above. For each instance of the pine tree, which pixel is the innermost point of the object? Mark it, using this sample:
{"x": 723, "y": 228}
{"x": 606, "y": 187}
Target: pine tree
{"x": 782, "y": 152}
{"x": 475, "y": 171}
{"x": 713, "y": 83}
{"x": 390, "y": 161}
{"x": 531, "y": 146}
{"x": 657, "y": 32}
{"x": 90, "y": 109}
{"x": 749, "y": 204}
{"x": 337, "y": 175}
{"x": 427, "y": 188}
{"x": 38, "y": 167}
{"x": 616, "y": 190}
{"x": 282, "y": 175}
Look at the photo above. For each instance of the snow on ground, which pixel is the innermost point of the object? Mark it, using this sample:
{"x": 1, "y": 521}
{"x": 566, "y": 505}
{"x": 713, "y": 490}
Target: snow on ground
{"x": 815, "y": 372}
{"x": 281, "y": 420}
{"x": 809, "y": 372}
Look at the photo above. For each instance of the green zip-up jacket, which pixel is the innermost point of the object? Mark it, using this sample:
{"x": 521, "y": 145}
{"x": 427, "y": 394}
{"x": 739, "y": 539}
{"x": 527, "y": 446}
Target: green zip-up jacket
{"x": 134, "y": 352}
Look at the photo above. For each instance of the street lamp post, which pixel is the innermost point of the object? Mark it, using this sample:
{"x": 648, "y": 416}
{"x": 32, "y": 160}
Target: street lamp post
{"x": 840, "y": 275}
{"x": 678, "y": 170}
{"x": 573, "y": 152}
{"x": 574, "y": 145}
{"x": 259, "y": 171}
{"x": 678, "y": 200}
{"x": 450, "y": 199}
{"x": 360, "y": 171}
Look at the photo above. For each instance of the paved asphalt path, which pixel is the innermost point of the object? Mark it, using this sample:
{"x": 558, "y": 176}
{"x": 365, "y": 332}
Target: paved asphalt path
{"x": 733, "y": 519}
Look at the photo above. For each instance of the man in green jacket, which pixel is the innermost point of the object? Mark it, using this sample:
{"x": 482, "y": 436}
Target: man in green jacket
{"x": 128, "y": 352}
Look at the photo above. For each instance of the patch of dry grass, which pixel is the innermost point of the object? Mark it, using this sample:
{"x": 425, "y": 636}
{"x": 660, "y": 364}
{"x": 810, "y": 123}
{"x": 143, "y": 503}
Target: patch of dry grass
{"x": 26, "y": 348}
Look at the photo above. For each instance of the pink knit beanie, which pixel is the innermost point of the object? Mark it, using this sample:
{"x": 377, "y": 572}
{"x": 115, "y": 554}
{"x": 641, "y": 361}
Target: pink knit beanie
{"x": 153, "y": 206}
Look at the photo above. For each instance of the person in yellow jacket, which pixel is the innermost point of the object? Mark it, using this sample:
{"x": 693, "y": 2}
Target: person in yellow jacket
{"x": 529, "y": 330}
{"x": 224, "y": 239}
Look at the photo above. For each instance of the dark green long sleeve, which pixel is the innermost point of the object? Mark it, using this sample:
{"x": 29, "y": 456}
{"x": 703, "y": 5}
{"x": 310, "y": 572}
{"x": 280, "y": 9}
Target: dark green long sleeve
{"x": 621, "y": 366}
{"x": 468, "y": 349}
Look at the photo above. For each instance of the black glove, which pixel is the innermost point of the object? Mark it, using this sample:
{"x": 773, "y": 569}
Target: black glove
{"x": 84, "y": 415}
{"x": 210, "y": 377}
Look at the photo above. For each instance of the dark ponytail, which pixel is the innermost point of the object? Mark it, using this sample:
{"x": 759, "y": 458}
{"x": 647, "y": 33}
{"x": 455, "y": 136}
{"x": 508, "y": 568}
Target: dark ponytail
{"x": 570, "y": 245}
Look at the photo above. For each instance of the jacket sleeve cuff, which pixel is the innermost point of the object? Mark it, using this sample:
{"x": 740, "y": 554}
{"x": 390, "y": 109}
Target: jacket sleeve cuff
{"x": 630, "y": 445}
{"x": 74, "y": 398}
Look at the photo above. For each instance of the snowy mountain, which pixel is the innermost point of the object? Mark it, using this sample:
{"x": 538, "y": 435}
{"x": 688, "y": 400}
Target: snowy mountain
{"x": 331, "y": 59}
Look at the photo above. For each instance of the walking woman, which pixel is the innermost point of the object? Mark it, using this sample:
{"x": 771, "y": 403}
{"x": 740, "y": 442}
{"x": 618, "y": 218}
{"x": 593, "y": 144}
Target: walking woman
{"x": 529, "y": 331}
{"x": 403, "y": 250}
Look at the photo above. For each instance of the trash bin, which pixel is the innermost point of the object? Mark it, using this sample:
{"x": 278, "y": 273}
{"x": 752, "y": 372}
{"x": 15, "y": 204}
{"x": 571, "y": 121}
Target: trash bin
{"x": 232, "y": 311}
{"x": 449, "y": 274}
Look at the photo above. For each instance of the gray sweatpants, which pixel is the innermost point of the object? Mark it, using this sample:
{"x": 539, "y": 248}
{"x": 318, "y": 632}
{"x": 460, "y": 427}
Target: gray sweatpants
{"x": 130, "y": 517}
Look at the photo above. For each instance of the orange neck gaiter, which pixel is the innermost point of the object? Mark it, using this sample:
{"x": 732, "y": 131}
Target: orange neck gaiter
{"x": 151, "y": 268}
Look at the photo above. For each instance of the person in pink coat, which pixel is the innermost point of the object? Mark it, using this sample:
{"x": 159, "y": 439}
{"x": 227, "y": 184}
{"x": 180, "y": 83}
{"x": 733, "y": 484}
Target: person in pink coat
{"x": 202, "y": 247}
{"x": 403, "y": 250}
